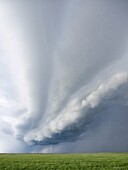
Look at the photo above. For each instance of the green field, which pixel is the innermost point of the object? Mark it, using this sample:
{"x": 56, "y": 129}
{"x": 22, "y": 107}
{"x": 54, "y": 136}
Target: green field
{"x": 64, "y": 161}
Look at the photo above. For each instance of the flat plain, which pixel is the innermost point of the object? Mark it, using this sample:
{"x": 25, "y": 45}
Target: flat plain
{"x": 100, "y": 161}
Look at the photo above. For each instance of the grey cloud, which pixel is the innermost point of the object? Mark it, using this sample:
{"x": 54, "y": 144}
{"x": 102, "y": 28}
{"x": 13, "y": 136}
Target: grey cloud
{"x": 60, "y": 59}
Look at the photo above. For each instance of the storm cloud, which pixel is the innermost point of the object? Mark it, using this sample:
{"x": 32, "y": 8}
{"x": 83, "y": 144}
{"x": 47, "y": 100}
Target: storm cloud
{"x": 63, "y": 75}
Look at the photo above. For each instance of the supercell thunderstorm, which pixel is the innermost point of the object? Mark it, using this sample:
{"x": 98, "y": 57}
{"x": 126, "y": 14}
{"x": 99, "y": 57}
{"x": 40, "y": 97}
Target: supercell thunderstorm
{"x": 63, "y": 76}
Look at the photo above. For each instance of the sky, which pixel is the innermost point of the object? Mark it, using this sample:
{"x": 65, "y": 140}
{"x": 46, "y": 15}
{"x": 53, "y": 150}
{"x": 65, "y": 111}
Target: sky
{"x": 63, "y": 76}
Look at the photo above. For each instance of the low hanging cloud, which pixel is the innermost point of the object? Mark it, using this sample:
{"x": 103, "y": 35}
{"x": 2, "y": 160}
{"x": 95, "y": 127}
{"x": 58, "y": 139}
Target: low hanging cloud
{"x": 64, "y": 75}
{"x": 72, "y": 121}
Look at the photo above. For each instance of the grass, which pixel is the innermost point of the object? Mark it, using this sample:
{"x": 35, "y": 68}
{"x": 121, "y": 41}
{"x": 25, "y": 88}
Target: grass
{"x": 116, "y": 161}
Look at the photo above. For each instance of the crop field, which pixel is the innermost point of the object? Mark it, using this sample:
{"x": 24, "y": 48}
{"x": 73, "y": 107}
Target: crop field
{"x": 64, "y": 161}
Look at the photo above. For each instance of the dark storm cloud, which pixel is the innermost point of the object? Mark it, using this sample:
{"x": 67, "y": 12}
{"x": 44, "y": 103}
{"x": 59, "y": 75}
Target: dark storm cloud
{"x": 64, "y": 69}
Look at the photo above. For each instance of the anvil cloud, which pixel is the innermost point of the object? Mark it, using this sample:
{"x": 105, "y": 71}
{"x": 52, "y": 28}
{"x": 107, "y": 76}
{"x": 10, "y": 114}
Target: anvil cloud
{"x": 63, "y": 76}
